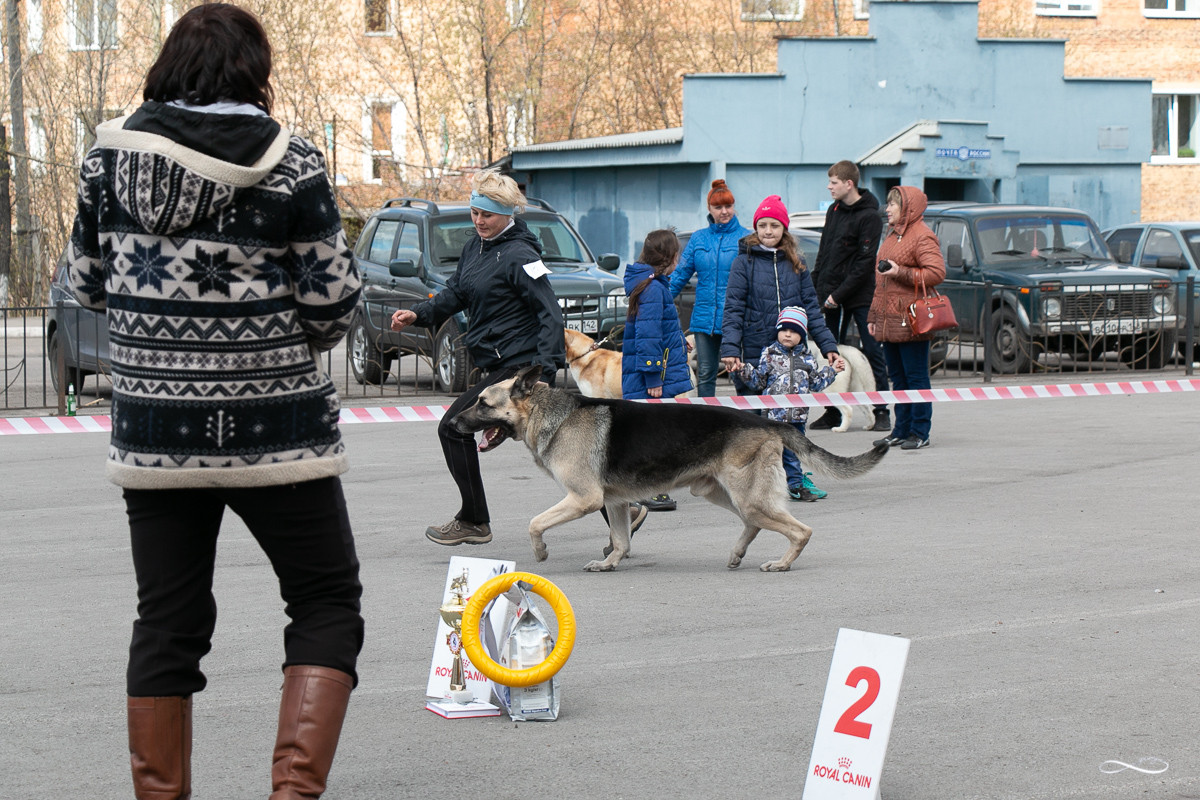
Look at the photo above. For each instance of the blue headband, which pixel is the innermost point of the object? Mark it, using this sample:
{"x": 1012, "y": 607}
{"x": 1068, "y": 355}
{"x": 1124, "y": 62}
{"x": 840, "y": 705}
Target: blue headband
{"x": 485, "y": 203}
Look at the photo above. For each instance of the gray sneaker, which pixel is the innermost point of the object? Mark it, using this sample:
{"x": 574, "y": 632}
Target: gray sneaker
{"x": 457, "y": 531}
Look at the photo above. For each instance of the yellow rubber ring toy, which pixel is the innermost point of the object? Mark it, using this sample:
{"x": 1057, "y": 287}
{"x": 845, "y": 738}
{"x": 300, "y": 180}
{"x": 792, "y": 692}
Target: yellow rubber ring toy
{"x": 518, "y": 678}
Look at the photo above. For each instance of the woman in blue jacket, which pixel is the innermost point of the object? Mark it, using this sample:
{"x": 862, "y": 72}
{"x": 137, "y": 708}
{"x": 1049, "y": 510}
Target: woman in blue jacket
{"x": 763, "y": 281}
{"x": 708, "y": 255}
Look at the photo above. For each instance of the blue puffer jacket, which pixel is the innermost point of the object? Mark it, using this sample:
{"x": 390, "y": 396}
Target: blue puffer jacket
{"x": 709, "y": 254}
{"x": 761, "y": 284}
{"x": 653, "y": 352}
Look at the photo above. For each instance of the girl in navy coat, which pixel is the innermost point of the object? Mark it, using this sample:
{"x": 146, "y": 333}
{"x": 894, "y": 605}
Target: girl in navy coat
{"x": 770, "y": 276}
{"x": 654, "y": 353}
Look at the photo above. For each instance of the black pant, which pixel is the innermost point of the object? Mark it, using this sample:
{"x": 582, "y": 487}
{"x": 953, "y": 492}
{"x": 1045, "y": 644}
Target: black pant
{"x": 462, "y": 455}
{"x": 304, "y": 530}
{"x": 838, "y": 319}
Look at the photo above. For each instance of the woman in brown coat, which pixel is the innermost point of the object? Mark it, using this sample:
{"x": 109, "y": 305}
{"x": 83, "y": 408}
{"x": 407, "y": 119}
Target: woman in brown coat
{"x": 909, "y": 256}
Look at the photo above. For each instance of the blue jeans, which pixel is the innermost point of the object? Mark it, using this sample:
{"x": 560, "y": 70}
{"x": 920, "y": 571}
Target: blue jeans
{"x": 708, "y": 345}
{"x": 791, "y": 464}
{"x": 908, "y": 367}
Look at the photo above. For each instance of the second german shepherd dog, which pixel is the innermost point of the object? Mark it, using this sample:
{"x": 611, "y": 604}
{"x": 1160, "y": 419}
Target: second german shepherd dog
{"x": 611, "y": 452}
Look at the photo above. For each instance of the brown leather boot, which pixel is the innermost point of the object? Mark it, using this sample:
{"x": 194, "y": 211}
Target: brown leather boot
{"x": 311, "y": 712}
{"x": 160, "y": 747}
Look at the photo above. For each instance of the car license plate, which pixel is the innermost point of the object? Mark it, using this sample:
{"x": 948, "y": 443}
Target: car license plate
{"x": 584, "y": 326}
{"x": 1110, "y": 327}
{"x": 573, "y": 324}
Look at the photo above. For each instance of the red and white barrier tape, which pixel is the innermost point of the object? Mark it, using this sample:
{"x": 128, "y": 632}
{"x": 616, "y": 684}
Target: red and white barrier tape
{"x": 94, "y": 424}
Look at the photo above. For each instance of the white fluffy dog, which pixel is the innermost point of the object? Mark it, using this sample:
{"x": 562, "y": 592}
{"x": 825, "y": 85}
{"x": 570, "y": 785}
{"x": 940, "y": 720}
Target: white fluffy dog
{"x": 857, "y": 377}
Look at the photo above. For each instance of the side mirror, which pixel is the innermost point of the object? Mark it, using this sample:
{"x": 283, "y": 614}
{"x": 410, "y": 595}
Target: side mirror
{"x": 954, "y": 256}
{"x": 609, "y": 262}
{"x": 404, "y": 268}
{"x": 1170, "y": 262}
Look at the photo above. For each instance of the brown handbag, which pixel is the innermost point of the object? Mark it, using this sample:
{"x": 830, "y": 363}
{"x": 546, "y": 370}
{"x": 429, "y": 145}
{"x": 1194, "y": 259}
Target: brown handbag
{"x": 930, "y": 312}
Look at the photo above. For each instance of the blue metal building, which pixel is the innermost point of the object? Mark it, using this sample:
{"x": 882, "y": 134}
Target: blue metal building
{"x": 921, "y": 101}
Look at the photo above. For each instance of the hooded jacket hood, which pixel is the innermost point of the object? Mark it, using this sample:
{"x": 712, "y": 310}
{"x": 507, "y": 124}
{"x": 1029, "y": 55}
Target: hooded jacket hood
{"x": 912, "y": 209}
{"x": 169, "y": 175}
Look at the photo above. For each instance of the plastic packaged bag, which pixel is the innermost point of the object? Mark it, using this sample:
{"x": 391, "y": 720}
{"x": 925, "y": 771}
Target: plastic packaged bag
{"x": 527, "y": 642}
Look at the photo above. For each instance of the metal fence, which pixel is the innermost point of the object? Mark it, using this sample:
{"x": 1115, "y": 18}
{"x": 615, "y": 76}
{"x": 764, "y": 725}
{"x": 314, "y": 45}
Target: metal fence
{"x": 46, "y": 349}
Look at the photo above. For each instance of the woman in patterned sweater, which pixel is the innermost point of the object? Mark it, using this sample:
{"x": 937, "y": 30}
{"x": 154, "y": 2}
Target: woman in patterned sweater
{"x": 210, "y": 234}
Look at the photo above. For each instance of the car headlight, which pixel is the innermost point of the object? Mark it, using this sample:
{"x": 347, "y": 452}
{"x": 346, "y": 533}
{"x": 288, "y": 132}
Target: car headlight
{"x": 617, "y": 299}
{"x": 1052, "y": 308}
{"x": 1162, "y": 304}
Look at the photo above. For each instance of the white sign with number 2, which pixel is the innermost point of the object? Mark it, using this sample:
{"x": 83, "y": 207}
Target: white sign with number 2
{"x": 856, "y": 716}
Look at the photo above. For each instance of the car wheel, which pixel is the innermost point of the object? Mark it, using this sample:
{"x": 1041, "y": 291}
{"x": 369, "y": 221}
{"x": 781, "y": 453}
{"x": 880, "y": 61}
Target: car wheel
{"x": 1011, "y": 350}
{"x": 452, "y": 363}
{"x": 60, "y": 374}
{"x": 369, "y": 364}
{"x": 1150, "y": 352}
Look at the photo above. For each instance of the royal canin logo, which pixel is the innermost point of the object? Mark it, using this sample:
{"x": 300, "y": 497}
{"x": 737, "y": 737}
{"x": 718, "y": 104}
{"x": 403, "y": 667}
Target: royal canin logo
{"x": 842, "y": 774}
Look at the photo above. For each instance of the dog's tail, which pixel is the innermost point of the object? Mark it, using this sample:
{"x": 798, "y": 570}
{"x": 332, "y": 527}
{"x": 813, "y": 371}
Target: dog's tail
{"x": 828, "y": 463}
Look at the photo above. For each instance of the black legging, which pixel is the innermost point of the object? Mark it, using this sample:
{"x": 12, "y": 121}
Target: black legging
{"x": 305, "y": 532}
{"x": 462, "y": 455}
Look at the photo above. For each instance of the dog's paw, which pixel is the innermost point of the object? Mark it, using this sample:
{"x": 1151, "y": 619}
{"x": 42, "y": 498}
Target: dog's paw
{"x": 775, "y": 566}
{"x": 735, "y": 561}
{"x": 541, "y": 552}
{"x": 599, "y": 566}
{"x": 841, "y": 428}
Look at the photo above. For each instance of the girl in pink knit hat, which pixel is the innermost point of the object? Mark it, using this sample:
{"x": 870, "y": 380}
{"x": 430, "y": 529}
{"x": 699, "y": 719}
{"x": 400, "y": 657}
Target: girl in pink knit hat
{"x": 768, "y": 276}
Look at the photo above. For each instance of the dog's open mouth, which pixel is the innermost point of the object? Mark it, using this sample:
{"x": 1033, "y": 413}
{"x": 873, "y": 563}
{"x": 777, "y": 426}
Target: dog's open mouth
{"x": 492, "y": 438}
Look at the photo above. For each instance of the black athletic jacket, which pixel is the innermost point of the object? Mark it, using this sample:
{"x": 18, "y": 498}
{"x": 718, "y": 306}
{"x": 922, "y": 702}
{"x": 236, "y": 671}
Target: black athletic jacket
{"x": 845, "y": 264}
{"x": 515, "y": 317}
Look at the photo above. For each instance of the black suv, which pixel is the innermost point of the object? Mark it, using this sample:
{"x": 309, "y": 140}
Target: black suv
{"x": 407, "y": 252}
{"x": 1055, "y": 287}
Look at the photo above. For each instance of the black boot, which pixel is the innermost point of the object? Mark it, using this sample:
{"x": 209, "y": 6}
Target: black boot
{"x": 883, "y": 420}
{"x": 831, "y": 419}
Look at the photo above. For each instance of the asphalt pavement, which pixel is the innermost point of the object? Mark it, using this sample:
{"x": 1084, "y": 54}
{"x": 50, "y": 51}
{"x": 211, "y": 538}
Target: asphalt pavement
{"x": 1040, "y": 557}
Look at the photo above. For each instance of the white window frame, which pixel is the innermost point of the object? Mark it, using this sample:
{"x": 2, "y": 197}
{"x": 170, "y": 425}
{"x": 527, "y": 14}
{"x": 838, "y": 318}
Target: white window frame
{"x": 35, "y": 25}
{"x": 862, "y": 9}
{"x": 96, "y": 39}
{"x": 766, "y": 16}
{"x": 1191, "y": 10}
{"x": 1067, "y": 8}
{"x": 38, "y": 142}
{"x": 398, "y": 138}
{"x": 1173, "y": 156}
{"x": 389, "y": 22}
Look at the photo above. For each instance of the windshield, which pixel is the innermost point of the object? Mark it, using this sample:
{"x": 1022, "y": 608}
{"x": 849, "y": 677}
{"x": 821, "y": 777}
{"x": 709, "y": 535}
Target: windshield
{"x": 559, "y": 244}
{"x": 1020, "y": 237}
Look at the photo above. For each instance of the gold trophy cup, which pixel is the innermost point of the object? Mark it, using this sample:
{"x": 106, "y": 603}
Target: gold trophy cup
{"x": 452, "y": 613}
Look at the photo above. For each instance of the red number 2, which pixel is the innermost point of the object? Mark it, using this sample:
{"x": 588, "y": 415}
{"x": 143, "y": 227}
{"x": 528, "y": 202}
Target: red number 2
{"x": 849, "y": 722}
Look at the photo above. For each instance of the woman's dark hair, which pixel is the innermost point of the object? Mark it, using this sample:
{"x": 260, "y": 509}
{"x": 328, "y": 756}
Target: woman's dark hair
{"x": 787, "y": 245}
{"x": 214, "y": 52}
{"x": 658, "y": 251}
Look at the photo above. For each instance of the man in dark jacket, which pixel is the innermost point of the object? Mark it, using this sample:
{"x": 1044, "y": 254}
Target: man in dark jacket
{"x": 845, "y": 275}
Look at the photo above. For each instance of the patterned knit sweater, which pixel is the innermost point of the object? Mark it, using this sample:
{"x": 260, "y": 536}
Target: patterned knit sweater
{"x": 223, "y": 280}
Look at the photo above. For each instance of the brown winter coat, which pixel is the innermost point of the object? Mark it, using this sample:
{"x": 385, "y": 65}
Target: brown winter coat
{"x": 918, "y": 256}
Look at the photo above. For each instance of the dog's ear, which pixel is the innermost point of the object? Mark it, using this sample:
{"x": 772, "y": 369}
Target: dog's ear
{"x": 525, "y": 381}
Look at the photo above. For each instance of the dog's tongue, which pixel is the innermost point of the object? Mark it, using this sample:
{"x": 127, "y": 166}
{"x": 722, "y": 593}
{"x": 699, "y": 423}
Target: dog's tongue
{"x": 491, "y": 437}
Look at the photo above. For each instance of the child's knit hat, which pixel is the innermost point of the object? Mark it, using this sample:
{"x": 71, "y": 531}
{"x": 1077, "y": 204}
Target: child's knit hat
{"x": 793, "y": 318}
{"x": 774, "y": 208}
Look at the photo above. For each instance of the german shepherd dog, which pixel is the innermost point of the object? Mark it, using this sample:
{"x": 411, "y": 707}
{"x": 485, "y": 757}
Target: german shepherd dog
{"x": 611, "y": 452}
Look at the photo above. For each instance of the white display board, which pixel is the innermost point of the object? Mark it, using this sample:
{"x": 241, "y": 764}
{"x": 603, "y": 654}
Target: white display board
{"x": 479, "y": 571}
{"x": 856, "y": 716}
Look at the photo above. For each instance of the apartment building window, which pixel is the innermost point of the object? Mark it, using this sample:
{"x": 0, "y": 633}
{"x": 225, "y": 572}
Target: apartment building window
{"x": 35, "y": 26}
{"x": 766, "y": 10}
{"x": 862, "y": 9}
{"x": 1171, "y": 8}
{"x": 385, "y": 137}
{"x": 1067, "y": 8}
{"x": 1174, "y": 125}
{"x": 93, "y": 24}
{"x": 378, "y": 16}
{"x": 38, "y": 143}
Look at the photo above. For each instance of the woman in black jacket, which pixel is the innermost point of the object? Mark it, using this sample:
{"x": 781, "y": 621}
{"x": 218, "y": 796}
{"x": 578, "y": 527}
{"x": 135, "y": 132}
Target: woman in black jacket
{"x": 515, "y": 322}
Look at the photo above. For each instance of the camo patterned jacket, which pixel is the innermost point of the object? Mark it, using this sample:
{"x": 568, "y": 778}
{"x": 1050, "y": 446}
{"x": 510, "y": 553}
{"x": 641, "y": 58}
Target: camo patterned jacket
{"x": 781, "y": 370}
